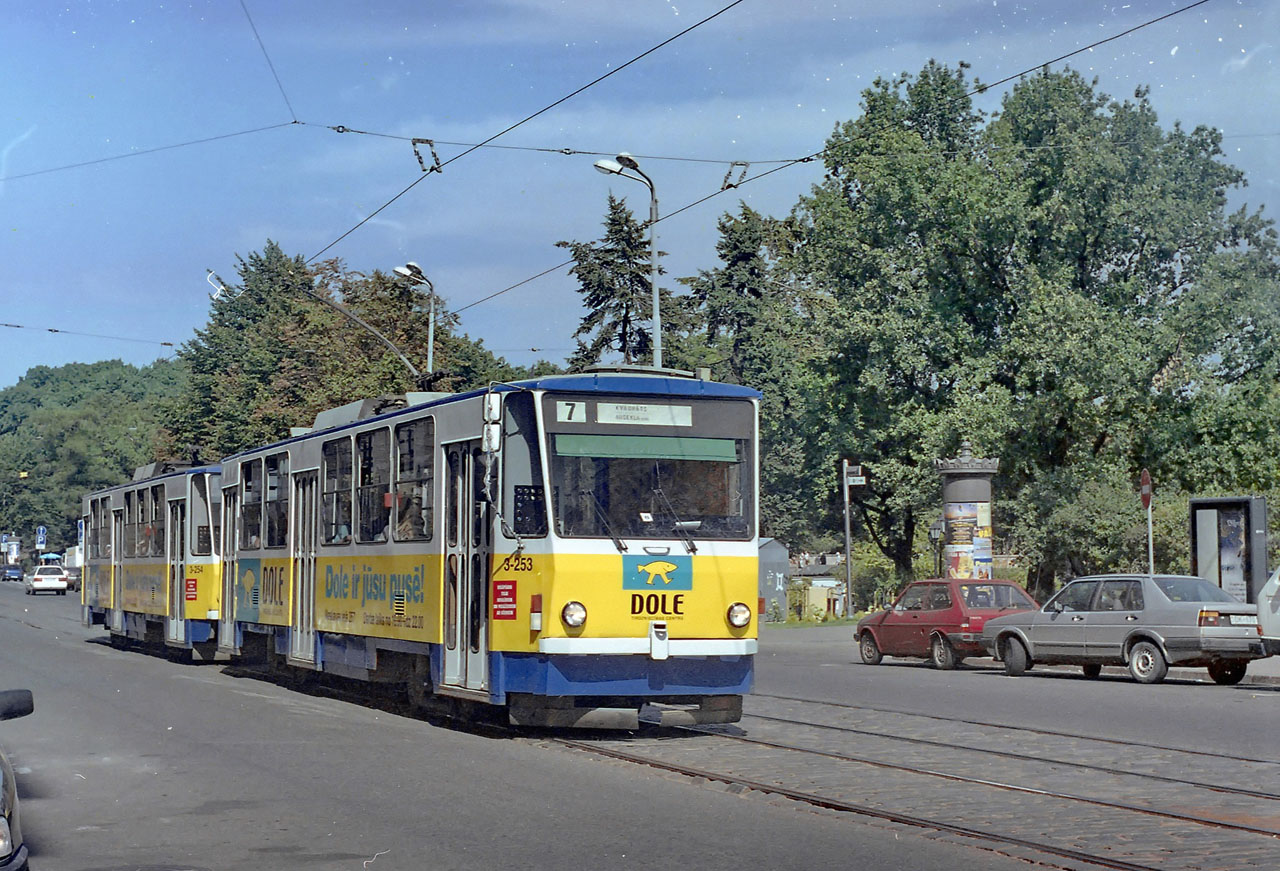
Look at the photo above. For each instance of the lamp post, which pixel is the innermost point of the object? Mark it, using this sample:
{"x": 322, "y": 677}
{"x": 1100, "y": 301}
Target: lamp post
{"x": 616, "y": 167}
{"x": 414, "y": 273}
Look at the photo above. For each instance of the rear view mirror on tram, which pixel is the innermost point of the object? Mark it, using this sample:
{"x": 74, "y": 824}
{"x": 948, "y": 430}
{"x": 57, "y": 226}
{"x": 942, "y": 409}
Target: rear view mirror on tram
{"x": 492, "y": 408}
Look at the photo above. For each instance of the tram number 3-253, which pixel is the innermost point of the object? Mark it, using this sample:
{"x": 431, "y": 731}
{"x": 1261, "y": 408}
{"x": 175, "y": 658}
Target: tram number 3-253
{"x": 514, "y": 563}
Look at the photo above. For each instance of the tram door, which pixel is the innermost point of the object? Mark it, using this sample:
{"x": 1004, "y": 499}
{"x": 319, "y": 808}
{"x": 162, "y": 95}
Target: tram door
{"x": 305, "y": 505}
{"x": 117, "y": 571}
{"x": 227, "y": 642}
{"x": 468, "y": 555}
{"x": 175, "y": 625}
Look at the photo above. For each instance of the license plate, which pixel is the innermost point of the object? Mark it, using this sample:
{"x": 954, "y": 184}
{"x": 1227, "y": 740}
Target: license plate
{"x": 1243, "y": 620}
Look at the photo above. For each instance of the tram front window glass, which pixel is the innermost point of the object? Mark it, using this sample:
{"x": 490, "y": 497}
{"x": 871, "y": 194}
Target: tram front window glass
{"x": 415, "y": 480}
{"x": 131, "y": 524}
{"x": 277, "y": 500}
{"x": 374, "y": 484}
{"x": 91, "y": 530}
{"x": 104, "y": 528}
{"x": 651, "y": 486}
{"x": 158, "y": 514}
{"x": 251, "y": 505}
{"x": 524, "y": 502}
{"x": 335, "y": 497}
{"x": 202, "y": 535}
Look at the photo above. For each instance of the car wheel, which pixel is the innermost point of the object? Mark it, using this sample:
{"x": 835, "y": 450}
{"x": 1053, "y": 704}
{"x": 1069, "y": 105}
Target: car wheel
{"x": 1015, "y": 657}
{"x": 1228, "y": 672}
{"x": 1146, "y": 663}
{"x": 1092, "y": 669}
{"x": 941, "y": 653}
{"x": 869, "y": 650}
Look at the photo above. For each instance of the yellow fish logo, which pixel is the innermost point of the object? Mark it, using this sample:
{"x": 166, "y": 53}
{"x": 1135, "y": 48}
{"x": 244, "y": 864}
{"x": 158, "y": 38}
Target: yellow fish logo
{"x": 657, "y": 569}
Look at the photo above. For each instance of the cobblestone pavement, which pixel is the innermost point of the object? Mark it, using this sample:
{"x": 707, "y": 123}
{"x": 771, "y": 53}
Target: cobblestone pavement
{"x": 1032, "y": 794}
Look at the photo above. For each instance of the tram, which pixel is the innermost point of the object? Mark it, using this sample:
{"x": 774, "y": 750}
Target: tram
{"x": 570, "y": 547}
{"x": 151, "y": 571}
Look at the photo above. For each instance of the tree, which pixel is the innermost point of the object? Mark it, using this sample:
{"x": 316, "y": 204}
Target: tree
{"x": 617, "y": 289}
{"x": 273, "y": 355}
{"x": 1058, "y": 284}
{"x": 68, "y": 431}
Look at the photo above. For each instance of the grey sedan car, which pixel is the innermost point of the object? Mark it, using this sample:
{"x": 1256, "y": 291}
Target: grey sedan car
{"x": 1146, "y": 622}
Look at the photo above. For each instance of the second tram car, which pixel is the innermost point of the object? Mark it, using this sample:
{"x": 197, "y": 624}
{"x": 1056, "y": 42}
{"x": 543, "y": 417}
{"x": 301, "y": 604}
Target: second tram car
{"x": 151, "y": 570}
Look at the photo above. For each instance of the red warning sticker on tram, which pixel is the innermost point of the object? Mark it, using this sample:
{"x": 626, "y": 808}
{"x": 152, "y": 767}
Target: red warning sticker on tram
{"x": 504, "y": 600}
{"x": 191, "y": 590}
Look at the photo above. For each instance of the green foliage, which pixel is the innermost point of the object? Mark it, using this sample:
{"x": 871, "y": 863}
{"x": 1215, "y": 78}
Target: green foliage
{"x": 274, "y": 353}
{"x": 69, "y": 430}
{"x": 1061, "y": 285}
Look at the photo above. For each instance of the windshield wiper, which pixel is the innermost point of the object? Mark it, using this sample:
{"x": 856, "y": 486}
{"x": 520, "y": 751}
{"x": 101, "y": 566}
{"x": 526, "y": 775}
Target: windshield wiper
{"x": 679, "y": 527}
{"x": 604, "y": 521}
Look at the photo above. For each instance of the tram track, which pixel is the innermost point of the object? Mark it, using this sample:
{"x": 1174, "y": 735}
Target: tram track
{"x": 1102, "y": 769}
{"x": 979, "y": 835}
{"x": 1027, "y": 729}
{"x": 1105, "y": 817}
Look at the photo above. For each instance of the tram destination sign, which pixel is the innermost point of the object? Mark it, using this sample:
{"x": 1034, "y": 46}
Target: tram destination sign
{"x": 643, "y": 414}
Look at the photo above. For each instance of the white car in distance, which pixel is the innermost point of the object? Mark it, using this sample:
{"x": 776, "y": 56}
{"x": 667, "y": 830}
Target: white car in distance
{"x": 48, "y": 579}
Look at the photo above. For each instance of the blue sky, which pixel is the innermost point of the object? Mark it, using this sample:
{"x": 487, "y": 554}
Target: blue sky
{"x": 118, "y": 248}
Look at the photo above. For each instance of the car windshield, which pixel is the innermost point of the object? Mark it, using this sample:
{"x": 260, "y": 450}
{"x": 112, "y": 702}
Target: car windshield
{"x": 1192, "y": 590}
{"x": 1002, "y": 596}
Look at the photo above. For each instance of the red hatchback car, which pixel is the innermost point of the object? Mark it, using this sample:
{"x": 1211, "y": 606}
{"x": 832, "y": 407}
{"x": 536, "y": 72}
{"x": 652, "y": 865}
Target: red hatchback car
{"x": 938, "y": 619}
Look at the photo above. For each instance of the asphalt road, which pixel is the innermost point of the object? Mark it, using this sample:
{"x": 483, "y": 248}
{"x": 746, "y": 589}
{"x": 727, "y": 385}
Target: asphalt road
{"x": 1186, "y": 711}
{"x": 133, "y": 762}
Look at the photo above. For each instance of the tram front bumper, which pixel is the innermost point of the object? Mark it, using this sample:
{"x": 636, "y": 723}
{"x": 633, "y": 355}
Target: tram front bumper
{"x": 557, "y": 712}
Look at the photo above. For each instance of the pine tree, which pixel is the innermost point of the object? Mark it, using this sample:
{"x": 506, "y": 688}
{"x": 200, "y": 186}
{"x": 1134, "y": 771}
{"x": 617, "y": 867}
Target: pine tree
{"x": 616, "y": 289}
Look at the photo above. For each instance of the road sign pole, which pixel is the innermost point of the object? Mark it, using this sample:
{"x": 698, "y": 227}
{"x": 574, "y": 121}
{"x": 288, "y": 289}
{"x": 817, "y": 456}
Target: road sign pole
{"x": 1144, "y": 489}
{"x": 1151, "y": 545}
{"x": 848, "y": 541}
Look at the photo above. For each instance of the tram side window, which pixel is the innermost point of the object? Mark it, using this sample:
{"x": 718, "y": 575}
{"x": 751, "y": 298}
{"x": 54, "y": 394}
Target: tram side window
{"x": 158, "y": 516}
{"x": 277, "y": 500}
{"x": 336, "y": 495}
{"x": 130, "y": 524}
{"x": 251, "y": 505}
{"x": 415, "y": 480}
{"x": 374, "y": 484}
{"x": 524, "y": 502}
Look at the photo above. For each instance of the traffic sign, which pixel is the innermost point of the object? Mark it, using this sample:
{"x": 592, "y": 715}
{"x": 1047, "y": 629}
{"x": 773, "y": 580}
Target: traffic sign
{"x": 1145, "y": 490}
{"x": 42, "y": 537}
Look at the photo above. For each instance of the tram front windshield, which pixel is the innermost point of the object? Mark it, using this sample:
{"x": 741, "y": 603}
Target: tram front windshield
{"x": 635, "y": 485}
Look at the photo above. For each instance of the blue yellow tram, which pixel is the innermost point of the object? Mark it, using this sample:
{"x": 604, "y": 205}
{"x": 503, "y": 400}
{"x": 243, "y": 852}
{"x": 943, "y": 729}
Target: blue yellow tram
{"x": 151, "y": 569}
{"x": 571, "y": 547}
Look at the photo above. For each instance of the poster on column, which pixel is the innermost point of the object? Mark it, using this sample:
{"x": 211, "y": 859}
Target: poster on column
{"x": 982, "y": 543}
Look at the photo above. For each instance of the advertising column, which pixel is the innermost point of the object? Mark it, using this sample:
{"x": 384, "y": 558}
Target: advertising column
{"x": 966, "y": 513}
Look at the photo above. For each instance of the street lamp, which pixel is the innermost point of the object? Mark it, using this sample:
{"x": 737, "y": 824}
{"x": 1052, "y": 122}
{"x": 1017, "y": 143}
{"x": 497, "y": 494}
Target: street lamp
{"x": 616, "y": 167}
{"x": 414, "y": 273}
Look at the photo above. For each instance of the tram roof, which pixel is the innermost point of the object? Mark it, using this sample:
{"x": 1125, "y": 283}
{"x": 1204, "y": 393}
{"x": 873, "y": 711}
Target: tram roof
{"x": 636, "y": 383}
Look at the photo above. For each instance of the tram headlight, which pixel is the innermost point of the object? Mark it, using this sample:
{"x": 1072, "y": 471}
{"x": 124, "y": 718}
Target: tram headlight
{"x": 574, "y": 614}
{"x": 739, "y": 615}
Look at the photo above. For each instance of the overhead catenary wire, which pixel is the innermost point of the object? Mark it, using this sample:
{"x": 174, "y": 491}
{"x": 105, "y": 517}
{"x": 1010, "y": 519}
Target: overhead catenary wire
{"x": 980, "y": 88}
{"x": 270, "y": 65}
{"x": 90, "y": 335}
{"x": 525, "y": 120}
